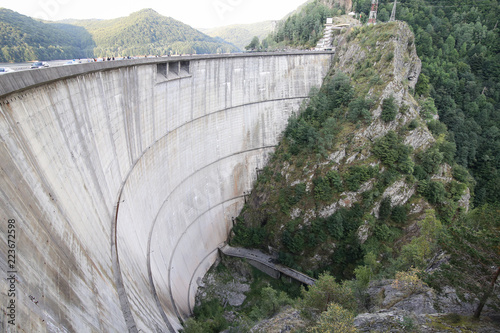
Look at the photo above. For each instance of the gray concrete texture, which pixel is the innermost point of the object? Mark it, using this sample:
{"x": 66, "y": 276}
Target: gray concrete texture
{"x": 123, "y": 184}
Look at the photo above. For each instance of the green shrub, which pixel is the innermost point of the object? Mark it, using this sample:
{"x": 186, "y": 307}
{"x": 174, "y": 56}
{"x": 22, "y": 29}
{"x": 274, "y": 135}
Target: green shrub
{"x": 423, "y": 86}
{"x": 406, "y": 166}
{"x": 448, "y": 149}
{"x": 413, "y": 124}
{"x": 194, "y": 326}
{"x": 323, "y": 292}
{"x": 334, "y": 319}
{"x": 389, "y": 56}
{"x": 460, "y": 173}
{"x": 359, "y": 109}
{"x": 294, "y": 242}
{"x": 393, "y": 153}
{"x": 248, "y": 236}
{"x": 357, "y": 175}
{"x": 389, "y": 109}
{"x": 334, "y": 179}
{"x": 270, "y": 303}
{"x": 399, "y": 214}
{"x": 436, "y": 127}
{"x": 300, "y": 191}
{"x": 209, "y": 318}
{"x": 435, "y": 192}
{"x": 384, "y": 210}
{"x": 404, "y": 109}
{"x": 428, "y": 109}
{"x": 386, "y": 178}
{"x": 422, "y": 248}
{"x": 456, "y": 190}
{"x": 383, "y": 232}
{"x": 420, "y": 173}
{"x": 431, "y": 159}
{"x": 322, "y": 189}
{"x": 335, "y": 225}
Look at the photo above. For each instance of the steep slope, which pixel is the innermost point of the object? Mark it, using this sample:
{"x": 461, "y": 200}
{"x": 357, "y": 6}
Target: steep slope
{"x": 241, "y": 34}
{"x": 147, "y": 32}
{"x": 358, "y": 168}
{"x": 23, "y": 39}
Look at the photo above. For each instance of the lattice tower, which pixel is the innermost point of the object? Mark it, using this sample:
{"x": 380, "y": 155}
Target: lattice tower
{"x": 393, "y": 14}
{"x": 372, "y": 19}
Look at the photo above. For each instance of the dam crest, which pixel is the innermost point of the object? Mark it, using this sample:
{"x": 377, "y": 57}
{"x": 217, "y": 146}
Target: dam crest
{"x": 123, "y": 178}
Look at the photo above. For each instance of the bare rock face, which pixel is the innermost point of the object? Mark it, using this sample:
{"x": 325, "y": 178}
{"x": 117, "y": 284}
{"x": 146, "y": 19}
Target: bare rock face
{"x": 387, "y": 321}
{"x": 228, "y": 286}
{"x": 419, "y": 138}
{"x": 464, "y": 201}
{"x": 288, "y": 320}
{"x": 392, "y": 310}
{"x": 401, "y": 76}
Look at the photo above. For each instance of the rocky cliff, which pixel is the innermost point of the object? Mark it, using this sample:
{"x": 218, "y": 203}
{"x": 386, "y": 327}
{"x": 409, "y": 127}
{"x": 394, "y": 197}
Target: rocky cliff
{"x": 369, "y": 152}
{"x": 359, "y": 187}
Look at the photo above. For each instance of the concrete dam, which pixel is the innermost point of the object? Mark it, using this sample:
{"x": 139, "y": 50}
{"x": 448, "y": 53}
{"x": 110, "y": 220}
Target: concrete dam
{"x": 119, "y": 180}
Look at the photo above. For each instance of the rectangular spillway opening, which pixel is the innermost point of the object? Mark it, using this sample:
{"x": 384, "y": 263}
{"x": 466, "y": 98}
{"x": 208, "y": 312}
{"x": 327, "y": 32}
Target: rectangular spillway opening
{"x": 173, "y": 70}
{"x": 168, "y": 71}
{"x": 161, "y": 71}
{"x": 184, "y": 67}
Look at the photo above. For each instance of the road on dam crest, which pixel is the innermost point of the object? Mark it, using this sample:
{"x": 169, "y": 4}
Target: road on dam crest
{"x": 119, "y": 180}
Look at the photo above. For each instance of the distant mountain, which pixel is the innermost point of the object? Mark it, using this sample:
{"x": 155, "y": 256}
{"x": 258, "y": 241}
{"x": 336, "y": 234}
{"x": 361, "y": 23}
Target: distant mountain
{"x": 146, "y": 32}
{"x": 241, "y": 34}
{"x": 23, "y": 39}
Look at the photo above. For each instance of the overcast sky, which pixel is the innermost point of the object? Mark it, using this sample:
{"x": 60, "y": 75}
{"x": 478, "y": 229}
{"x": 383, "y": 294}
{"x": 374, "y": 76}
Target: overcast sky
{"x": 196, "y": 13}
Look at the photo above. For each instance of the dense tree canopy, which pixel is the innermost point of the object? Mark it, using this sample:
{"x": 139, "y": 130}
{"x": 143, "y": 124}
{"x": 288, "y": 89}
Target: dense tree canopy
{"x": 473, "y": 244}
{"x": 25, "y": 39}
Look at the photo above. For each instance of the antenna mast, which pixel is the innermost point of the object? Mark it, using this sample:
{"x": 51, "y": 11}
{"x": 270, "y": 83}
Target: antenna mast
{"x": 373, "y": 13}
{"x": 393, "y": 14}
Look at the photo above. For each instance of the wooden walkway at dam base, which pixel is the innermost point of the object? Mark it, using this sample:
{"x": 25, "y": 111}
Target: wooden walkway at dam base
{"x": 266, "y": 263}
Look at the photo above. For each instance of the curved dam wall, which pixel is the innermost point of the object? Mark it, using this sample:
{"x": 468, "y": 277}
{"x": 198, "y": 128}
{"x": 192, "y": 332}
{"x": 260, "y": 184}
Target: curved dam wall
{"x": 123, "y": 179}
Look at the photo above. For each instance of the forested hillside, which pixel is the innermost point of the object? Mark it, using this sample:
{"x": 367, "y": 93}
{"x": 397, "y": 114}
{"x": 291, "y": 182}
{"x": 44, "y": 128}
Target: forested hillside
{"x": 25, "y": 39}
{"x": 459, "y": 44}
{"x": 147, "y": 32}
{"x": 142, "y": 33}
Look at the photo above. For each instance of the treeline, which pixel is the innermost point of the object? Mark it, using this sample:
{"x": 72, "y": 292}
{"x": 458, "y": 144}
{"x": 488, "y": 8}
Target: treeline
{"x": 25, "y": 39}
{"x": 459, "y": 44}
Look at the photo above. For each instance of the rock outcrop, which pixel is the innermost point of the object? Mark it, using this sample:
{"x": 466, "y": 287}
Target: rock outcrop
{"x": 393, "y": 310}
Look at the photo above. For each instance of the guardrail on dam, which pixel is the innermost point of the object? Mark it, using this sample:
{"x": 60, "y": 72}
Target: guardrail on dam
{"x": 119, "y": 181}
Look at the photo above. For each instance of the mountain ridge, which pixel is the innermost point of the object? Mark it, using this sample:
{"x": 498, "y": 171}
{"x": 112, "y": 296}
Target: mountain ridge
{"x": 144, "y": 32}
{"x": 241, "y": 34}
